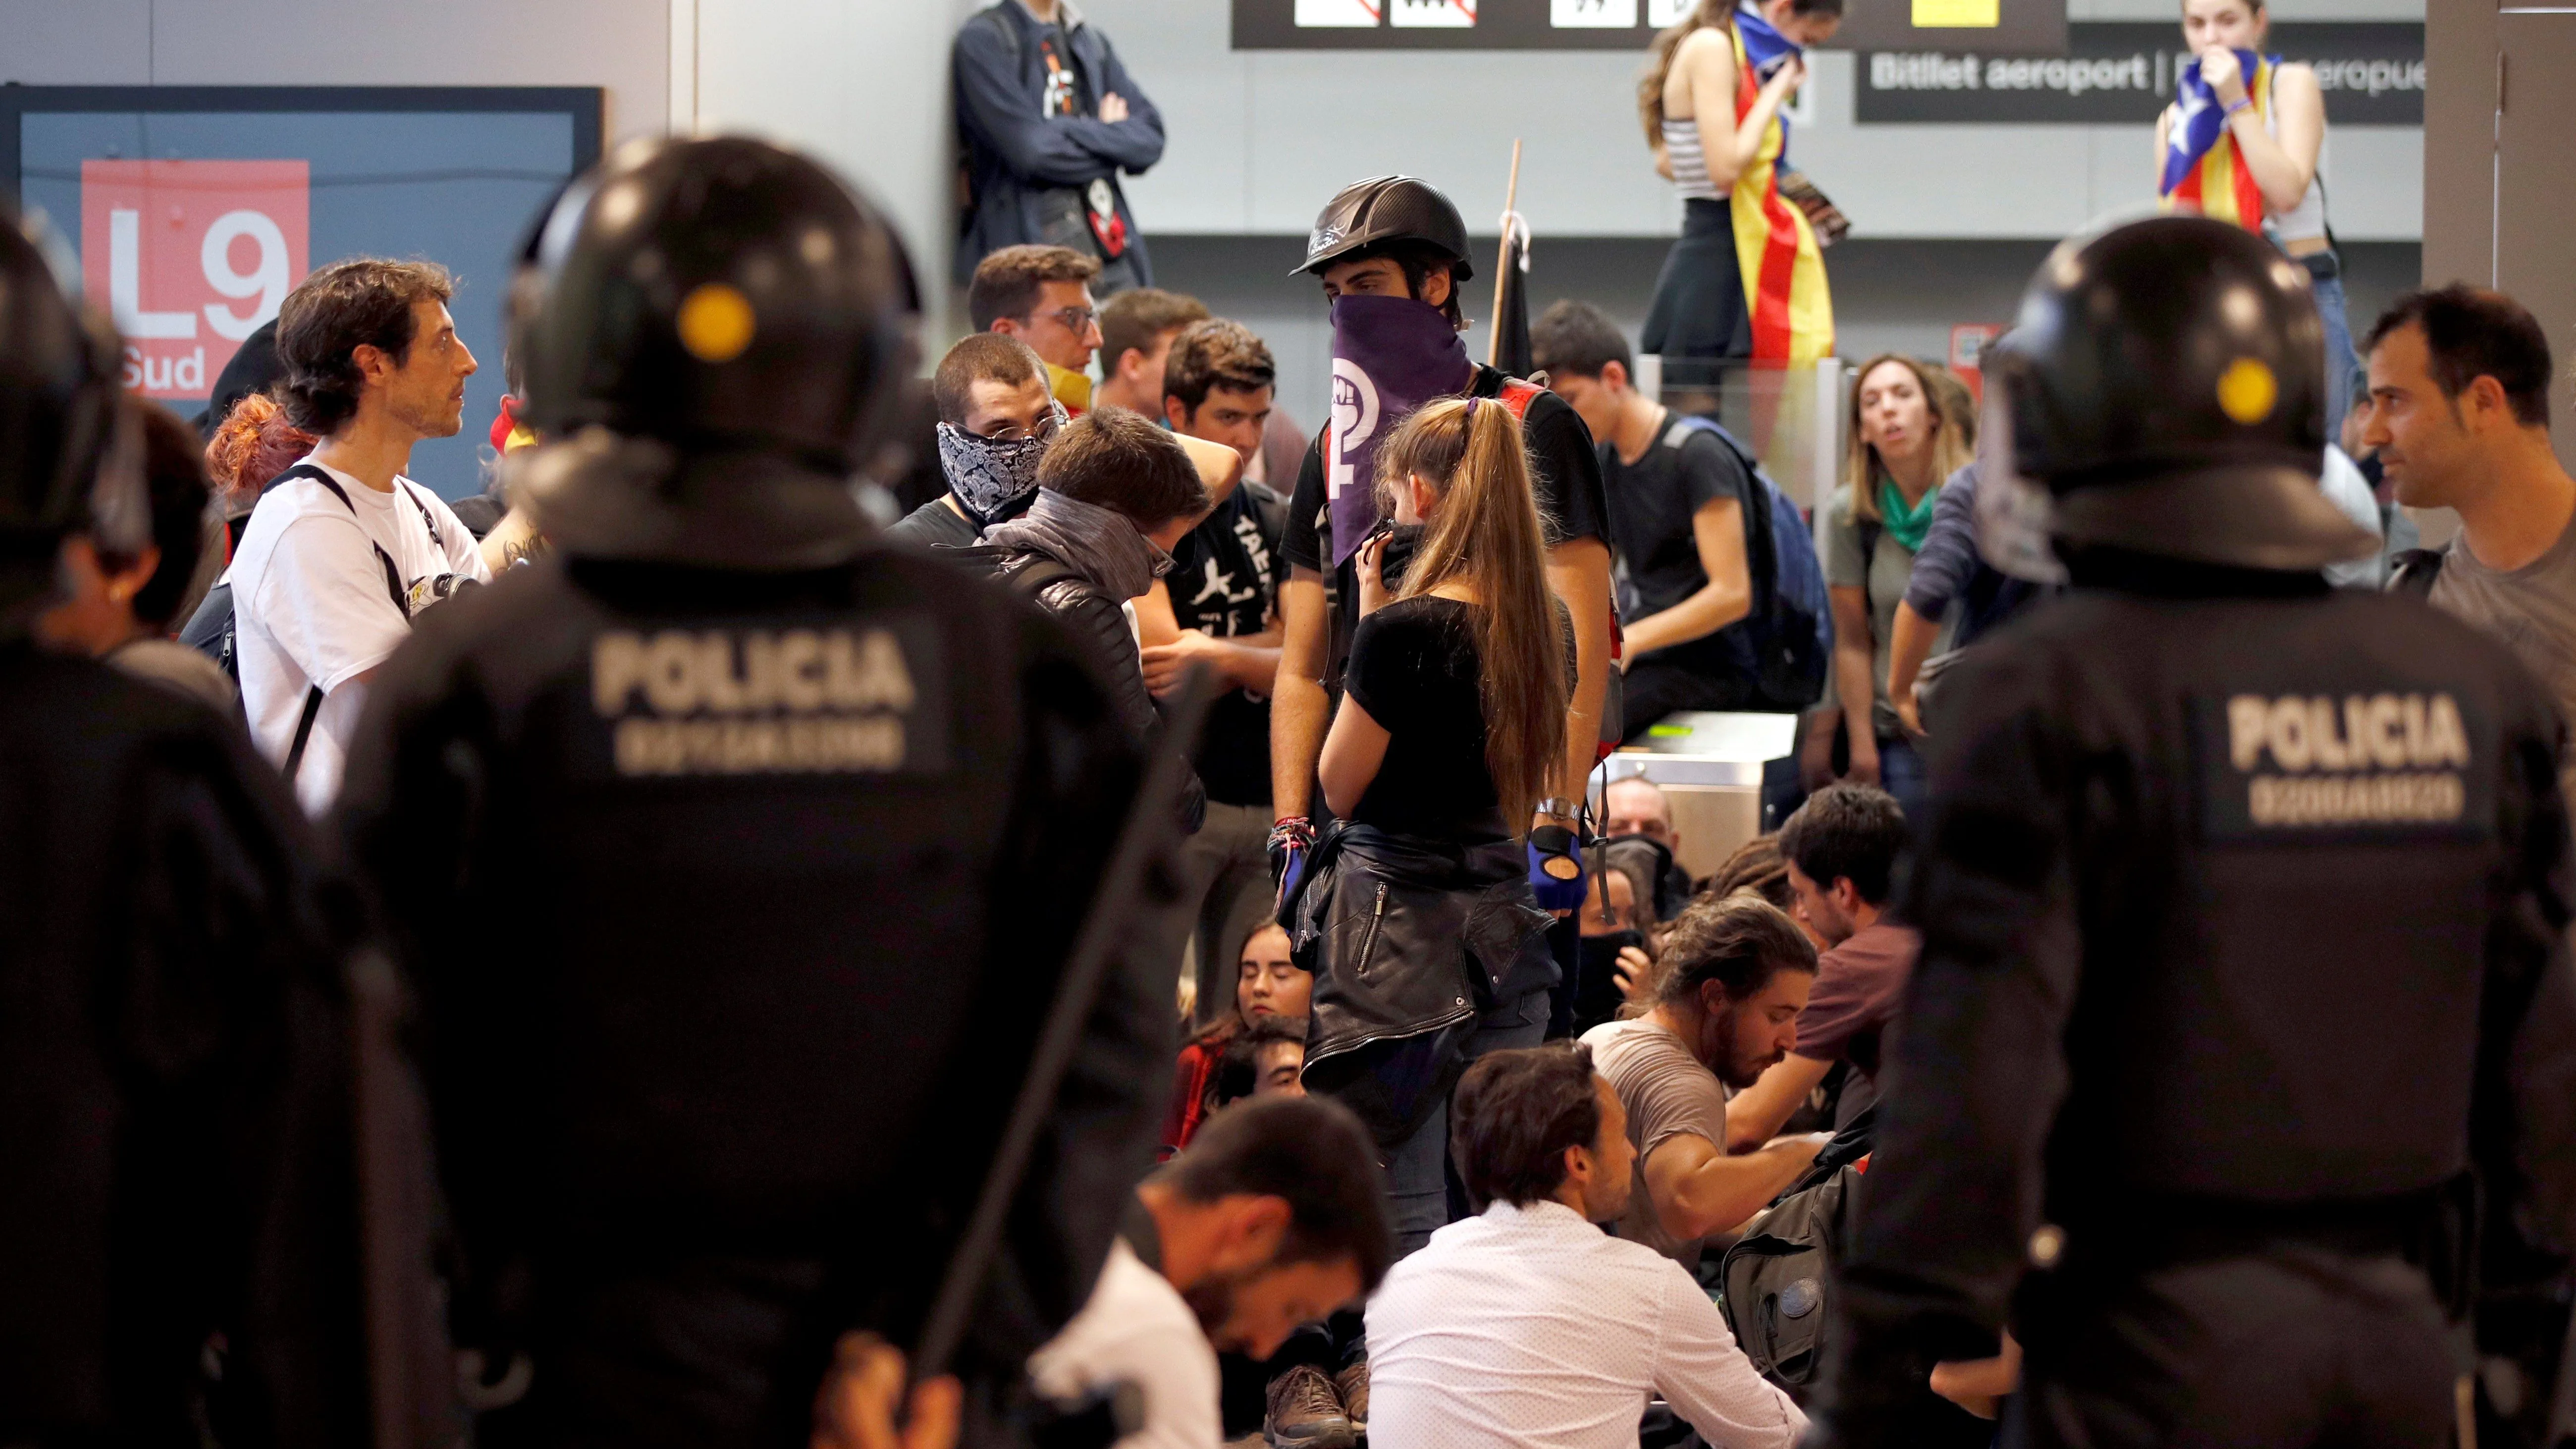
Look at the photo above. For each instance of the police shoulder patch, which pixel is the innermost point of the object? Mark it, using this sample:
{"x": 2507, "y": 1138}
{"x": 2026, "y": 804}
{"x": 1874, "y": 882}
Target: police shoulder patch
{"x": 814, "y": 696}
{"x": 2286, "y": 765}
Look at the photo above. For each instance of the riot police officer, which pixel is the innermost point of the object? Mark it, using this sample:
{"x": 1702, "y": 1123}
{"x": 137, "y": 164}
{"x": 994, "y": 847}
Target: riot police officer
{"x": 2242, "y": 905}
{"x": 732, "y": 851}
{"x": 175, "y": 1182}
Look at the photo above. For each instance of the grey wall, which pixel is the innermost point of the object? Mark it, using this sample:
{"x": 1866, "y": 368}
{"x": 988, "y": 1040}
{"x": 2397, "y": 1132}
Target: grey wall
{"x": 623, "y": 45}
{"x": 1258, "y": 140}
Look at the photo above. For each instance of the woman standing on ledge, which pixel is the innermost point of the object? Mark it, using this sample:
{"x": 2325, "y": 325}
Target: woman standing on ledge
{"x": 1746, "y": 280}
{"x": 2240, "y": 143}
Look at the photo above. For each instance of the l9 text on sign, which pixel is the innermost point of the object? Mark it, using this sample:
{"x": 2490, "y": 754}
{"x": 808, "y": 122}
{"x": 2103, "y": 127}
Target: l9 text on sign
{"x": 191, "y": 256}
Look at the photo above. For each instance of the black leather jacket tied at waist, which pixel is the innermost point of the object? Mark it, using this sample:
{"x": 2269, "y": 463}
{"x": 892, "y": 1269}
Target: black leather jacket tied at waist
{"x": 1410, "y": 938}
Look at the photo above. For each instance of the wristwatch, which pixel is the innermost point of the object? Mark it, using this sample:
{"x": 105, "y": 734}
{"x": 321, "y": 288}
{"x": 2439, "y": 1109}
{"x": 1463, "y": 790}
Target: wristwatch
{"x": 1557, "y": 807}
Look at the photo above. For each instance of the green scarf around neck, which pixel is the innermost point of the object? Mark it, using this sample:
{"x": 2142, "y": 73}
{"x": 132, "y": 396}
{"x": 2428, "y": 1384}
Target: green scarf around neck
{"x": 1906, "y": 525}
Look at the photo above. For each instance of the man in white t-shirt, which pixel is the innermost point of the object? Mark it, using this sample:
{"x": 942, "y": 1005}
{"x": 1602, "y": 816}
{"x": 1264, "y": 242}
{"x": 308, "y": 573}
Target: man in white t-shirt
{"x": 341, "y": 556}
{"x": 1274, "y": 1217}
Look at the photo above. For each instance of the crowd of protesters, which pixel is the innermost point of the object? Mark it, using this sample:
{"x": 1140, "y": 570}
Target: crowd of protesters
{"x": 1478, "y": 1086}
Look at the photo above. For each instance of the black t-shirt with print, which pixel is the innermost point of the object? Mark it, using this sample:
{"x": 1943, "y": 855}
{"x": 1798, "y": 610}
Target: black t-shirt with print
{"x": 1414, "y": 667}
{"x": 1685, "y": 469}
{"x": 1224, "y": 582}
{"x": 1566, "y": 472}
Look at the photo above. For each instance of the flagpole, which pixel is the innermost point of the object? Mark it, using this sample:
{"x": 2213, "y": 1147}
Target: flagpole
{"x": 1503, "y": 257}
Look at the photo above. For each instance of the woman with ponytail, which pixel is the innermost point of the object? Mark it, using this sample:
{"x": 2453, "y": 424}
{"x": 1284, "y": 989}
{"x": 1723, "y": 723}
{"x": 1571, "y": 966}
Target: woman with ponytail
{"x": 1417, "y": 916}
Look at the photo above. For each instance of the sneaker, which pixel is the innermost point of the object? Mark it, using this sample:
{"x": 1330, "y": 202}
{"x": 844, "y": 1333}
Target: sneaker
{"x": 1306, "y": 1412}
{"x": 1352, "y": 1384}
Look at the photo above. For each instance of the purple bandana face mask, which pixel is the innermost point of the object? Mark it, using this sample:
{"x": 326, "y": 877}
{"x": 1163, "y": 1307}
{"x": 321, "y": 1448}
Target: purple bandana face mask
{"x": 1390, "y": 356}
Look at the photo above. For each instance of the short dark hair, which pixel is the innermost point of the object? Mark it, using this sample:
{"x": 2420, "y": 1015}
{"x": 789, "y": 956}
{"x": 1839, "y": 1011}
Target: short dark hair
{"x": 1006, "y": 283}
{"x": 1847, "y": 832}
{"x": 1112, "y": 458}
{"x": 1310, "y": 1151}
{"x": 1739, "y": 941}
{"x": 1417, "y": 260}
{"x": 1213, "y": 354}
{"x": 1134, "y": 319}
{"x": 2472, "y": 332}
{"x": 1514, "y": 1114}
{"x": 1577, "y": 339}
{"x": 980, "y": 357}
{"x": 174, "y": 475}
{"x": 360, "y": 302}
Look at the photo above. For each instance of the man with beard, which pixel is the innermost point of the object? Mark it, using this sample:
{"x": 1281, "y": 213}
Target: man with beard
{"x": 1735, "y": 974}
{"x": 1274, "y": 1217}
{"x": 343, "y": 551}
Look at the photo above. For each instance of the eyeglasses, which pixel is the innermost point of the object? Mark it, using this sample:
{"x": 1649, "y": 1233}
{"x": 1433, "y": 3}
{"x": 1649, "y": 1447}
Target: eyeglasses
{"x": 1076, "y": 320}
{"x": 1044, "y": 427}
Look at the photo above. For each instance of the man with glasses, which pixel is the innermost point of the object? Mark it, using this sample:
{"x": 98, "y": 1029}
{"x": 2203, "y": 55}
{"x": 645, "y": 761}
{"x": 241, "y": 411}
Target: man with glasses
{"x": 995, "y": 416}
{"x": 1042, "y": 296}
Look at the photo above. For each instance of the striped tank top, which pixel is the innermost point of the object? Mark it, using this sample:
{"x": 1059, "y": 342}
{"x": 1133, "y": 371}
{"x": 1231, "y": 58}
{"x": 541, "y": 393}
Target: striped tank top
{"x": 1690, "y": 164}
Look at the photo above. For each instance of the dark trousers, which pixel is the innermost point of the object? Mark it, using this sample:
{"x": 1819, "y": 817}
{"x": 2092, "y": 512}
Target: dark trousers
{"x": 2297, "y": 1347}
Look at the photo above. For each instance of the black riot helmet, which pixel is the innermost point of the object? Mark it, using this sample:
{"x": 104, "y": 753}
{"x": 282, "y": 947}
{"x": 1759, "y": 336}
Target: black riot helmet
{"x": 57, "y": 411}
{"x": 1367, "y": 215}
{"x": 2166, "y": 381}
{"x": 721, "y": 294}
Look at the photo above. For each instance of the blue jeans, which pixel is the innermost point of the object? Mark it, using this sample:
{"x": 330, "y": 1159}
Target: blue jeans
{"x": 1418, "y": 1168}
{"x": 2343, "y": 365}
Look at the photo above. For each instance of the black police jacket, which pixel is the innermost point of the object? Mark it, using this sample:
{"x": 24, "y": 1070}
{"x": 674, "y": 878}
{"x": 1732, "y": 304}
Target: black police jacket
{"x": 2243, "y": 902}
{"x": 174, "y": 1092}
{"x": 734, "y": 901}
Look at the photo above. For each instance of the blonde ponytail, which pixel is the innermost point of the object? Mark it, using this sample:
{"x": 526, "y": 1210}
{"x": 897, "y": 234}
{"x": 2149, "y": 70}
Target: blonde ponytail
{"x": 1487, "y": 534}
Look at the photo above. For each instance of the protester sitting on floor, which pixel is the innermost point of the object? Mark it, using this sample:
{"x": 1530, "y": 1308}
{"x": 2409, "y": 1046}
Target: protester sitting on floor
{"x": 1733, "y": 977}
{"x": 1526, "y": 1325}
{"x": 1274, "y": 1217}
{"x": 1841, "y": 848}
{"x": 1267, "y": 1060}
{"x": 1268, "y": 986}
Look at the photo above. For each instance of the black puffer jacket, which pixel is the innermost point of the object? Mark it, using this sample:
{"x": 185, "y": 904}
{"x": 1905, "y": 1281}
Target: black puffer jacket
{"x": 1087, "y": 612}
{"x": 1410, "y": 938}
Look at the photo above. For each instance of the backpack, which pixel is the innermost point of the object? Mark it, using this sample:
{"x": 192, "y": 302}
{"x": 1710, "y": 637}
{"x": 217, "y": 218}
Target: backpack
{"x": 1778, "y": 1279}
{"x": 213, "y": 632}
{"x": 1791, "y": 624}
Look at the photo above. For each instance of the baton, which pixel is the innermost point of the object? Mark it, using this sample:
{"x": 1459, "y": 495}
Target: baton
{"x": 1149, "y": 821}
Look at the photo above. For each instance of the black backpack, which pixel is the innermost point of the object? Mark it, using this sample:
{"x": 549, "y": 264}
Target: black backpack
{"x": 1778, "y": 1278}
{"x": 211, "y": 630}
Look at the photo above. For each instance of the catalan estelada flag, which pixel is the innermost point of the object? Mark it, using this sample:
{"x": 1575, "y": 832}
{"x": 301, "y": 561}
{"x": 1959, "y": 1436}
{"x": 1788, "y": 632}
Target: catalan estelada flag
{"x": 1784, "y": 269}
{"x": 2203, "y": 171}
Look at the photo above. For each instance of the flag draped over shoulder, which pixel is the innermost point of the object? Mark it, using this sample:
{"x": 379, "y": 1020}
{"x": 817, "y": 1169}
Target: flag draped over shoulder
{"x": 2204, "y": 171}
{"x": 1784, "y": 268}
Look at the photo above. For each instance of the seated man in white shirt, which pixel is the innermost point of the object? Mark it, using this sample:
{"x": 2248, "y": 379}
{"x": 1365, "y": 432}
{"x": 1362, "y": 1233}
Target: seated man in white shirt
{"x": 1274, "y": 1216}
{"x": 1529, "y": 1326}
{"x": 344, "y": 552}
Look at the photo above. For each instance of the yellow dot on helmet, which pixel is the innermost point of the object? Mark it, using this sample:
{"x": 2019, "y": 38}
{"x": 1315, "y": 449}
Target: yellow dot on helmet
{"x": 716, "y": 322}
{"x": 2247, "y": 390}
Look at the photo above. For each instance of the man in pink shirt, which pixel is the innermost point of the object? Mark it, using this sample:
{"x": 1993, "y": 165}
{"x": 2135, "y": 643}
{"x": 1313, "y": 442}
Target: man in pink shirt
{"x": 1841, "y": 848}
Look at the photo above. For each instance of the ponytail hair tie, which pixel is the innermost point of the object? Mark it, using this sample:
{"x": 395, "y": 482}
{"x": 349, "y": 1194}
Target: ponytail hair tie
{"x": 1471, "y": 410}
